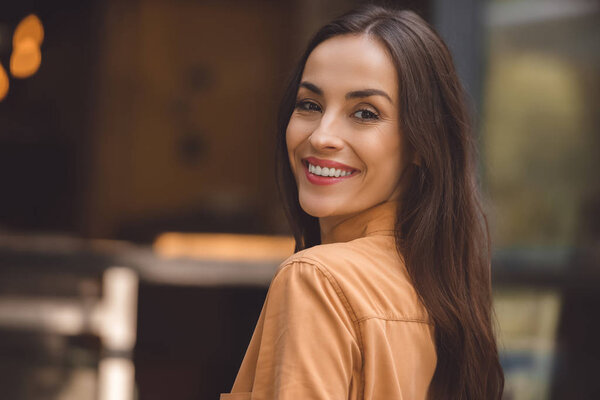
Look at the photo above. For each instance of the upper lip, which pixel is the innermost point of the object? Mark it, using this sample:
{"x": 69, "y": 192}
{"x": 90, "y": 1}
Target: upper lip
{"x": 328, "y": 163}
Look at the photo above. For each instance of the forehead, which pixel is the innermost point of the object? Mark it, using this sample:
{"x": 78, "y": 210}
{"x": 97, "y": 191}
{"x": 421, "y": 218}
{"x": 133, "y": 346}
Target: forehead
{"x": 351, "y": 62}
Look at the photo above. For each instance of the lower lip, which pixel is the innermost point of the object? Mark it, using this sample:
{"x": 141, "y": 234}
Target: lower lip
{"x": 323, "y": 180}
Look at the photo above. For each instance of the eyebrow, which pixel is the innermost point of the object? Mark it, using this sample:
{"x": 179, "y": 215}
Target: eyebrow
{"x": 312, "y": 87}
{"x": 350, "y": 95}
{"x": 368, "y": 93}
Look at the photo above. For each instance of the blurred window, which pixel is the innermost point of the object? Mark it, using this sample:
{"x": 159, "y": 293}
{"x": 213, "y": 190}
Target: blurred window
{"x": 540, "y": 160}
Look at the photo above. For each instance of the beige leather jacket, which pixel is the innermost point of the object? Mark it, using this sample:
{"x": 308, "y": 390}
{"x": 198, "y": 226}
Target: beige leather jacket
{"x": 341, "y": 321}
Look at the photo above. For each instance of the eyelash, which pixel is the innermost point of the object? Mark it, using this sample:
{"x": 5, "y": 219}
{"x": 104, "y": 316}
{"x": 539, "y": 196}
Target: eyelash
{"x": 373, "y": 115}
{"x": 302, "y": 104}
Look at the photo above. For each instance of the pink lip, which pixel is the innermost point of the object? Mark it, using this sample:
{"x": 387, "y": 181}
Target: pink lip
{"x": 328, "y": 164}
{"x": 322, "y": 180}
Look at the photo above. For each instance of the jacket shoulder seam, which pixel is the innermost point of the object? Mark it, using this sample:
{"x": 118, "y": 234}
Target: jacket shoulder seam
{"x": 330, "y": 278}
{"x": 338, "y": 290}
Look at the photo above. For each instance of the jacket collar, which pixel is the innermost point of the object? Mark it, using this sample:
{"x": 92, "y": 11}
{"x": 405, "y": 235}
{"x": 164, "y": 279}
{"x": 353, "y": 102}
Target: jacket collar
{"x": 377, "y": 220}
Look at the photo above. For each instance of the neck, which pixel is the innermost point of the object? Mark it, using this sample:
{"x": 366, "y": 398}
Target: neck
{"x": 328, "y": 224}
{"x": 343, "y": 228}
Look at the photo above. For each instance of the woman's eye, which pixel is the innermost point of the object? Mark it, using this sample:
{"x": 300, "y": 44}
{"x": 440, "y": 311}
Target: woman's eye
{"x": 365, "y": 114}
{"x": 308, "y": 106}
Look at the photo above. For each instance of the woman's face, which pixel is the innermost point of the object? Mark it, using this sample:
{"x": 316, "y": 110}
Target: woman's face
{"x": 343, "y": 139}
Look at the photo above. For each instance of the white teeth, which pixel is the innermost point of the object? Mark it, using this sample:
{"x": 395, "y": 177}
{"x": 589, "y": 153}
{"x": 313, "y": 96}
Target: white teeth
{"x": 328, "y": 172}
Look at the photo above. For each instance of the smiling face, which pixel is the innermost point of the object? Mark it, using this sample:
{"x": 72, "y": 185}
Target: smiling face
{"x": 343, "y": 139}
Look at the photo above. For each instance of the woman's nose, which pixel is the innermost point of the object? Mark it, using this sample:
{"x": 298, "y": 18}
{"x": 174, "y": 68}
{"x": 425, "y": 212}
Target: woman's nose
{"x": 327, "y": 136}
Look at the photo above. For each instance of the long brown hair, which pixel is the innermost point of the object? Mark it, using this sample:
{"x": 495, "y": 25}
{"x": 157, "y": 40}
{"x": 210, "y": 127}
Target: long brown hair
{"x": 441, "y": 230}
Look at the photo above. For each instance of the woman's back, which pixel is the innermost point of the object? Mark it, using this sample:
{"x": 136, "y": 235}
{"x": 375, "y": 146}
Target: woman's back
{"x": 342, "y": 321}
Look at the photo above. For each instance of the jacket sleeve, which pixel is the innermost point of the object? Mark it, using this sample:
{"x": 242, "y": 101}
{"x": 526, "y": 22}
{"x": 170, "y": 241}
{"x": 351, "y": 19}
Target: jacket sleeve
{"x": 308, "y": 347}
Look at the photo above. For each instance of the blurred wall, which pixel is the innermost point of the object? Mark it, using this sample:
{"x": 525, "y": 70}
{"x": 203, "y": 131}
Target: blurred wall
{"x": 186, "y": 93}
{"x": 152, "y": 115}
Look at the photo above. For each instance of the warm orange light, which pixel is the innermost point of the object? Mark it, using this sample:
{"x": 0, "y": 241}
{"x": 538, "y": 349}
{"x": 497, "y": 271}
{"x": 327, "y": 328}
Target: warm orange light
{"x": 30, "y": 27}
{"x": 3, "y": 83}
{"x": 25, "y": 59}
{"x": 220, "y": 246}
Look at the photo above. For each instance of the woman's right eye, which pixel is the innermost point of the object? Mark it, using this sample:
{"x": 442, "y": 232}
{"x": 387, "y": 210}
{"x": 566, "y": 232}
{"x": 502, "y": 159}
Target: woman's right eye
{"x": 307, "y": 105}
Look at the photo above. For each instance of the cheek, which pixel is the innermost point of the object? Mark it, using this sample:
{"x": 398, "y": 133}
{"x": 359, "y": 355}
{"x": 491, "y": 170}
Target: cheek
{"x": 383, "y": 146}
{"x": 383, "y": 156}
{"x": 396, "y": 164}
{"x": 291, "y": 147}
{"x": 293, "y": 139}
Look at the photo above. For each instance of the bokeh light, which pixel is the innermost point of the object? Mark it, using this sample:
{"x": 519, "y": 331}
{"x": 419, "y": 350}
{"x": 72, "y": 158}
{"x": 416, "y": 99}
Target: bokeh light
{"x": 26, "y": 56}
{"x": 3, "y": 83}
{"x": 30, "y": 27}
{"x": 25, "y": 59}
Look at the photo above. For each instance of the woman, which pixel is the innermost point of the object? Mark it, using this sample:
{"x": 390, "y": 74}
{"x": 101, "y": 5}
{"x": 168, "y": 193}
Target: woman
{"x": 388, "y": 295}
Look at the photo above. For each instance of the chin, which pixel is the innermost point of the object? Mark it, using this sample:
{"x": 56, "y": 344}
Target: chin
{"x": 317, "y": 208}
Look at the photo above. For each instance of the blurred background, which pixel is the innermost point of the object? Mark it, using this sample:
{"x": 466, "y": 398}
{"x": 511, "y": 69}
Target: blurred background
{"x": 139, "y": 219}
